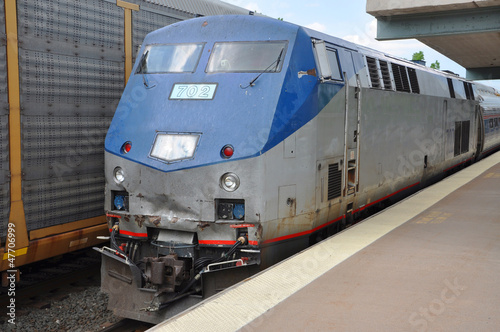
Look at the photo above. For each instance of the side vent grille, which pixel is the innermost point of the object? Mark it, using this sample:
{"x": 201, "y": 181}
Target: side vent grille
{"x": 465, "y": 137}
{"x": 462, "y": 136}
{"x": 458, "y": 133}
{"x": 373, "y": 70}
{"x": 469, "y": 92}
{"x": 413, "y": 80}
{"x": 386, "y": 76}
{"x": 401, "y": 78}
{"x": 450, "y": 87}
{"x": 334, "y": 181}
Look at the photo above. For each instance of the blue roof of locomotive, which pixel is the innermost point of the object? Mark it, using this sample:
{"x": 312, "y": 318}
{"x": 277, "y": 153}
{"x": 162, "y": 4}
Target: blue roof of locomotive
{"x": 253, "y": 120}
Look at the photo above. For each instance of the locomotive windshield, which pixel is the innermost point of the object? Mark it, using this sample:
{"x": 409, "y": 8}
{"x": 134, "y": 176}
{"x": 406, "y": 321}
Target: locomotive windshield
{"x": 247, "y": 57}
{"x": 170, "y": 58}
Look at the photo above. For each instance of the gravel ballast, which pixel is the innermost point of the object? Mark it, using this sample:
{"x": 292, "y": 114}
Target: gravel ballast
{"x": 80, "y": 311}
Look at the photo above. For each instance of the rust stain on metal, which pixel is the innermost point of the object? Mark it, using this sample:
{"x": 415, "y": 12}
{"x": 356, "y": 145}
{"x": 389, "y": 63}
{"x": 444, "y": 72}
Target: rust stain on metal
{"x": 126, "y": 218}
{"x": 155, "y": 220}
{"x": 204, "y": 24}
{"x": 259, "y": 232}
{"x": 139, "y": 219}
{"x": 203, "y": 225}
{"x": 140, "y": 195}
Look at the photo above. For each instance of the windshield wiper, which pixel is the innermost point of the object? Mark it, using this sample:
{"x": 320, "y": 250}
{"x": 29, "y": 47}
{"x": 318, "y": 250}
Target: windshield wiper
{"x": 143, "y": 70}
{"x": 142, "y": 63}
{"x": 277, "y": 62}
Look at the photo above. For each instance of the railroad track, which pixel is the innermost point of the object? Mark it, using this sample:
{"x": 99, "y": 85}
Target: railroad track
{"x": 61, "y": 294}
{"x": 78, "y": 269}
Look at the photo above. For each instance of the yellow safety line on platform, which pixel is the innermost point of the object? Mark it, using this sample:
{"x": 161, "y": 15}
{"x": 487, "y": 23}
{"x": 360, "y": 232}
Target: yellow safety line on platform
{"x": 246, "y": 304}
{"x": 17, "y": 216}
{"x": 127, "y": 44}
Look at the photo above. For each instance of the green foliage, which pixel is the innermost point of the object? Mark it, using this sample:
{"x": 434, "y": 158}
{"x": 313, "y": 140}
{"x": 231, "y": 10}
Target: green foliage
{"x": 436, "y": 65}
{"x": 418, "y": 56}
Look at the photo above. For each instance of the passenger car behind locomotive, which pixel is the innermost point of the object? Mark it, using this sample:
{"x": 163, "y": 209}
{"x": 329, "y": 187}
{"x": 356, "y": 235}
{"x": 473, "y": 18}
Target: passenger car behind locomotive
{"x": 241, "y": 140}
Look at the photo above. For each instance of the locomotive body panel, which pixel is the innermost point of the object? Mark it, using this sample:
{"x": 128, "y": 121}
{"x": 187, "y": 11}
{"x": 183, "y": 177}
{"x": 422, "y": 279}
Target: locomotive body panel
{"x": 271, "y": 158}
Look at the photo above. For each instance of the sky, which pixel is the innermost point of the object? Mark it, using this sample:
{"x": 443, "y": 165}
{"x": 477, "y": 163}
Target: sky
{"x": 348, "y": 20}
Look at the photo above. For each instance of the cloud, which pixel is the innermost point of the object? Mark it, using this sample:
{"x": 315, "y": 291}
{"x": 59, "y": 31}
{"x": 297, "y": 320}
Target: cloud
{"x": 317, "y": 26}
{"x": 366, "y": 37}
{"x": 253, "y": 6}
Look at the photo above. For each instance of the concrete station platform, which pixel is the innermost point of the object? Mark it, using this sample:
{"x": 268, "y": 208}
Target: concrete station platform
{"x": 428, "y": 263}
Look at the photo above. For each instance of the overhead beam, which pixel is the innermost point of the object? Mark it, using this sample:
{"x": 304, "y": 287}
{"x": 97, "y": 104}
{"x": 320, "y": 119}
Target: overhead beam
{"x": 438, "y": 24}
{"x": 487, "y": 73}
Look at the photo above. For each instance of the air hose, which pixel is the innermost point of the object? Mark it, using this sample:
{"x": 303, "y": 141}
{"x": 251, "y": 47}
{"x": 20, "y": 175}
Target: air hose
{"x": 116, "y": 247}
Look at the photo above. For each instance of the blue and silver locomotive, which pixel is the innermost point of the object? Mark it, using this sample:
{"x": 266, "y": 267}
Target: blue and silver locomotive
{"x": 240, "y": 140}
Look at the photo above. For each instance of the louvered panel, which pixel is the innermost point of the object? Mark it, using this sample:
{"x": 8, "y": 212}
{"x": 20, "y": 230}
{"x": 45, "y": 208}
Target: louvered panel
{"x": 93, "y": 23}
{"x": 451, "y": 88}
{"x": 57, "y": 201}
{"x": 373, "y": 71}
{"x": 386, "y": 75}
{"x": 51, "y": 80}
{"x": 334, "y": 181}
{"x": 397, "y": 77}
{"x": 400, "y": 78}
{"x": 458, "y": 140}
{"x": 415, "y": 88}
{"x": 62, "y": 146}
{"x": 464, "y": 145}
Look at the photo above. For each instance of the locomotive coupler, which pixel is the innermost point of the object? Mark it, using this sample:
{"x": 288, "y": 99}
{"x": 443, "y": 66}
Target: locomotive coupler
{"x": 166, "y": 272}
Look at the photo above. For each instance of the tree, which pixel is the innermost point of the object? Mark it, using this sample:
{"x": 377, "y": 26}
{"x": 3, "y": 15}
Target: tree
{"x": 436, "y": 65}
{"x": 418, "y": 56}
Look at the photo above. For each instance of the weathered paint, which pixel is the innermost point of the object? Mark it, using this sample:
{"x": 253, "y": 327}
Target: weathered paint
{"x": 17, "y": 216}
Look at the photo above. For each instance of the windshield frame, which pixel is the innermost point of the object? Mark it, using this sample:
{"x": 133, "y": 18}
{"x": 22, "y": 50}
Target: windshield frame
{"x": 193, "y": 60}
{"x": 266, "y": 63}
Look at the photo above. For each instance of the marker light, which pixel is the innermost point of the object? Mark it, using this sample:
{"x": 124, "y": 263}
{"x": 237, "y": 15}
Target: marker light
{"x": 126, "y": 147}
{"x": 119, "y": 175}
{"x": 227, "y": 151}
{"x": 119, "y": 202}
{"x": 229, "y": 182}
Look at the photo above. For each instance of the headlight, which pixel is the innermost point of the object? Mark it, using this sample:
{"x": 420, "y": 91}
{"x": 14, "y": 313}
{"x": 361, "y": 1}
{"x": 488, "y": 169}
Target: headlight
{"x": 119, "y": 175}
{"x": 174, "y": 147}
{"x": 229, "y": 182}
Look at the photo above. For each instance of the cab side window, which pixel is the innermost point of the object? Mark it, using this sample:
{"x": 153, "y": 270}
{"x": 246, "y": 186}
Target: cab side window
{"x": 327, "y": 60}
{"x": 333, "y": 59}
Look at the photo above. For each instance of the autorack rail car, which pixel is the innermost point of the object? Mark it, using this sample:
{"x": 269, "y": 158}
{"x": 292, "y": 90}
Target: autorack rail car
{"x": 241, "y": 140}
{"x": 63, "y": 67}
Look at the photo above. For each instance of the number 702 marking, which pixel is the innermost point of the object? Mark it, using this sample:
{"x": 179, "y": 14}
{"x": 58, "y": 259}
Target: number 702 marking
{"x": 199, "y": 91}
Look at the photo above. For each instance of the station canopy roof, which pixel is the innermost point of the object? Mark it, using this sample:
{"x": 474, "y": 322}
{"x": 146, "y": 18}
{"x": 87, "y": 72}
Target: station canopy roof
{"x": 468, "y": 32}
